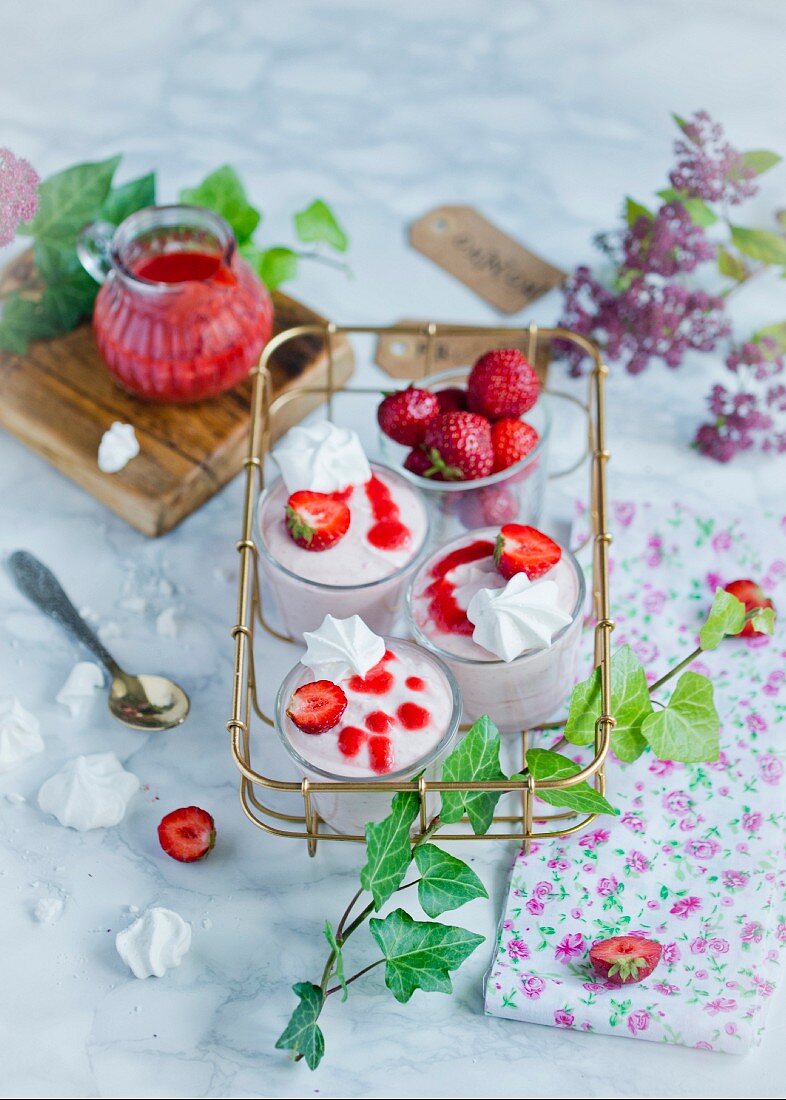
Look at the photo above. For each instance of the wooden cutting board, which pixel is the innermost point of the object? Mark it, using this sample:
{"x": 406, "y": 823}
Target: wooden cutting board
{"x": 59, "y": 400}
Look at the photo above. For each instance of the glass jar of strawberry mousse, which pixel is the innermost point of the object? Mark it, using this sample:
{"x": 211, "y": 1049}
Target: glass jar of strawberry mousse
{"x": 401, "y": 719}
{"x": 517, "y": 694}
{"x": 515, "y": 494}
{"x": 364, "y": 573}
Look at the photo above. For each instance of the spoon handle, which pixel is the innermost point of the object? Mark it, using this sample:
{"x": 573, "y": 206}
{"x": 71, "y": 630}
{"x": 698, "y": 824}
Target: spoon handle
{"x": 41, "y": 586}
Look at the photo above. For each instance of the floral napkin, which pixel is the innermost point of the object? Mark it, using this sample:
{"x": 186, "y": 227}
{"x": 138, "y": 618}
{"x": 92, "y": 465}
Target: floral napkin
{"x": 697, "y": 858}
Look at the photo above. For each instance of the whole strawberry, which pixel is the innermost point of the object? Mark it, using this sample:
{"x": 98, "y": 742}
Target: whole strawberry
{"x": 623, "y": 960}
{"x": 418, "y": 462}
{"x": 511, "y": 441}
{"x": 452, "y": 399}
{"x": 459, "y": 446}
{"x": 753, "y": 596}
{"x": 405, "y": 415}
{"x": 490, "y": 506}
{"x": 502, "y": 384}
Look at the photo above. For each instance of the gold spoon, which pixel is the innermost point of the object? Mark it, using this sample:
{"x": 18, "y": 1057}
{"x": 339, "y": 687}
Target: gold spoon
{"x": 143, "y": 702}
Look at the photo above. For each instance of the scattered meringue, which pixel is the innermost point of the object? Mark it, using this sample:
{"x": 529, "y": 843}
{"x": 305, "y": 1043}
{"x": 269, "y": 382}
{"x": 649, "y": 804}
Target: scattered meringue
{"x": 166, "y": 624}
{"x": 341, "y": 647}
{"x": 78, "y": 690}
{"x": 154, "y": 943}
{"x": 117, "y": 447}
{"x": 20, "y": 734}
{"x": 90, "y": 792}
{"x": 15, "y": 798}
{"x": 523, "y": 615}
{"x": 48, "y": 910}
{"x": 321, "y": 457}
{"x": 137, "y": 604}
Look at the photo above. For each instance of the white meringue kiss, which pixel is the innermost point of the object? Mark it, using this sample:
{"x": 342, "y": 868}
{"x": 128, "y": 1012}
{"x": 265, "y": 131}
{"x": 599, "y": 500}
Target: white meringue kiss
{"x": 342, "y": 647}
{"x": 79, "y": 688}
{"x": 156, "y": 942}
{"x": 89, "y": 792}
{"x": 117, "y": 447}
{"x": 20, "y": 734}
{"x": 523, "y": 615}
{"x": 321, "y": 457}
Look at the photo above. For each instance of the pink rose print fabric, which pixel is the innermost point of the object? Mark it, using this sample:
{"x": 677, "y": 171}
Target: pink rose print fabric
{"x": 697, "y": 857}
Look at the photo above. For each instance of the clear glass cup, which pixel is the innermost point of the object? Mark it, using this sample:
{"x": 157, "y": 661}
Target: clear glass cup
{"x": 300, "y": 604}
{"x": 350, "y": 811}
{"x": 512, "y": 495}
{"x": 180, "y": 316}
{"x": 518, "y": 694}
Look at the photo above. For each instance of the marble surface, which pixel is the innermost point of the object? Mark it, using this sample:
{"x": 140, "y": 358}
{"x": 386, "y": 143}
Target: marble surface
{"x": 542, "y": 115}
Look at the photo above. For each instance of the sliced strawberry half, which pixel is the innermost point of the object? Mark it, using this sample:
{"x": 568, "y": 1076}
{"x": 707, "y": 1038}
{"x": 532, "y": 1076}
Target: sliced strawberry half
{"x": 187, "y": 834}
{"x": 521, "y": 549}
{"x": 753, "y": 596}
{"x": 317, "y": 706}
{"x": 624, "y": 960}
{"x": 316, "y": 521}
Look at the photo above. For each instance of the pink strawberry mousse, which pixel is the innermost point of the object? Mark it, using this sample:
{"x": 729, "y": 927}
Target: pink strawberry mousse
{"x": 364, "y": 573}
{"x": 517, "y": 694}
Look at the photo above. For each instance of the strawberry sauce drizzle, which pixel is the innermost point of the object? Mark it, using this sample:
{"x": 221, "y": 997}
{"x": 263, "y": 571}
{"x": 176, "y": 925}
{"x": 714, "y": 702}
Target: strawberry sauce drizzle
{"x": 443, "y": 606}
{"x": 388, "y": 532}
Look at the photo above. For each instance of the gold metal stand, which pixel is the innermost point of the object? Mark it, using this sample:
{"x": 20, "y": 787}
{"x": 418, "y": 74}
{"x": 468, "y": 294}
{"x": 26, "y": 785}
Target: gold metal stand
{"x": 523, "y": 826}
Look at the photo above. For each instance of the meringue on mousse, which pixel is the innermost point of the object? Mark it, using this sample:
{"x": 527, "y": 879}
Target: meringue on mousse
{"x": 339, "y": 535}
{"x": 362, "y": 707}
{"x": 503, "y": 609}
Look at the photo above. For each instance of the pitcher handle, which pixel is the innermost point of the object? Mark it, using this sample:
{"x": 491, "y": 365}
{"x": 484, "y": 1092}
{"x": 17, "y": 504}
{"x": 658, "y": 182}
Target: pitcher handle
{"x": 93, "y": 247}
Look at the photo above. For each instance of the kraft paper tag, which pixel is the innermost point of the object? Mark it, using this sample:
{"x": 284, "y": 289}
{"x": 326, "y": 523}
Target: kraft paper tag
{"x": 404, "y": 356}
{"x": 469, "y": 247}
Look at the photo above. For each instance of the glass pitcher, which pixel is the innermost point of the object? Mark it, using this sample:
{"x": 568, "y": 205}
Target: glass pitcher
{"x": 180, "y": 316}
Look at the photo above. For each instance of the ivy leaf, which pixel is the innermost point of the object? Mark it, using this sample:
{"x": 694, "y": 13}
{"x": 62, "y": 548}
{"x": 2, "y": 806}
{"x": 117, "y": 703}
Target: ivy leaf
{"x": 223, "y": 192}
{"x": 20, "y": 322}
{"x": 475, "y": 758}
{"x": 760, "y": 244}
{"x": 630, "y": 704}
{"x": 760, "y": 160}
{"x": 389, "y": 848}
{"x": 686, "y": 730}
{"x": 302, "y": 1035}
{"x": 56, "y": 260}
{"x": 59, "y": 309}
{"x": 635, "y": 210}
{"x": 763, "y": 620}
{"x": 276, "y": 266}
{"x": 700, "y": 213}
{"x": 730, "y": 265}
{"x": 420, "y": 954}
{"x": 317, "y": 224}
{"x": 446, "y": 882}
{"x": 70, "y": 199}
{"x": 727, "y": 616}
{"x": 129, "y": 197}
{"x": 545, "y": 764}
{"x": 338, "y": 963}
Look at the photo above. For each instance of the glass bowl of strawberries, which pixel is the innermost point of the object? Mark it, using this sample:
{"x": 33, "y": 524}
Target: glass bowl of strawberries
{"x": 474, "y": 441}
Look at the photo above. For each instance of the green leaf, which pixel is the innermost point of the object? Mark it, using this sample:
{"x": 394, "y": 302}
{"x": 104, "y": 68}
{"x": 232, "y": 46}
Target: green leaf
{"x": 760, "y": 160}
{"x": 630, "y": 705}
{"x": 730, "y": 265}
{"x": 727, "y": 616}
{"x": 700, "y": 213}
{"x": 545, "y": 764}
{"x": 70, "y": 199}
{"x": 317, "y": 224}
{"x": 446, "y": 882}
{"x": 276, "y": 266}
{"x": 763, "y": 620}
{"x": 338, "y": 964}
{"x": 635, "y": 210}
{"x": 223, "y": 192}
{"x": 476, "y": 758}
{"x": 760, "y": 244}
{"x": 56, "y": 260}
{"x": 687, "y": 729}
{"x": 776, "y": 332}
{"x": 420, "y": 954}
{"x": 302, "y": 1035}
{"x": 389, "y": 848}
{"x": 59, "y": 309}
{"x": 129, "y": 197}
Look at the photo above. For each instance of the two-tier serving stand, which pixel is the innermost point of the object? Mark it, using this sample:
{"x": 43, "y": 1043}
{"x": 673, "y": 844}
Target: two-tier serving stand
{"x": 529, "y": 821}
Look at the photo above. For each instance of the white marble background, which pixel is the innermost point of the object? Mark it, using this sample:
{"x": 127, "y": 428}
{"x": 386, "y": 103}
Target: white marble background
{"x": 541, "y": 114}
